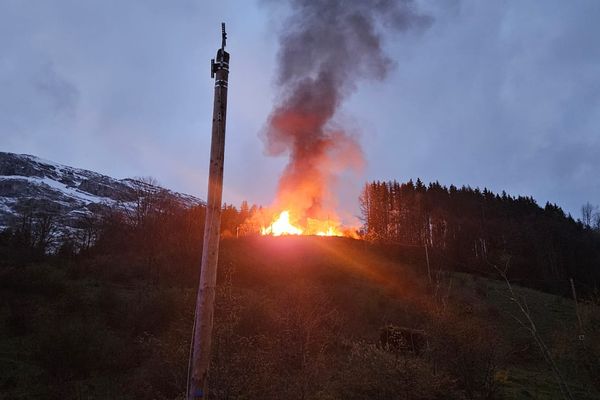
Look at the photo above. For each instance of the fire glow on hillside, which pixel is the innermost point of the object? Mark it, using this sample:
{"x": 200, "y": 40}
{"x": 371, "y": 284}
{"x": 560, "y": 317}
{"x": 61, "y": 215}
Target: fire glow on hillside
{"x": 294, "y": 221}
{"x": 282, "y": 226}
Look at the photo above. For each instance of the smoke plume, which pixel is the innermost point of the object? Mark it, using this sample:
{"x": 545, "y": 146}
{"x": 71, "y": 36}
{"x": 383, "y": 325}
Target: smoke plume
{"x": 326, "y": 47}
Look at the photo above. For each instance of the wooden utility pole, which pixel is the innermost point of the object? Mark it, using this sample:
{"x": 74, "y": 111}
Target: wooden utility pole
{"x": 203, "y": 318}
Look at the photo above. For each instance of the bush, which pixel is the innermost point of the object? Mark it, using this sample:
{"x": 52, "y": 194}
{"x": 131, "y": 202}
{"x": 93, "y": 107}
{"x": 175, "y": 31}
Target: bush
{"x": 36, "y": 279}
{"x": 18, "y": 320}
{"x": 468, "y": 352}
{"x": 150, "y": 311}
{"x": 72, "y": 349}
{"x": 374, "y": 373}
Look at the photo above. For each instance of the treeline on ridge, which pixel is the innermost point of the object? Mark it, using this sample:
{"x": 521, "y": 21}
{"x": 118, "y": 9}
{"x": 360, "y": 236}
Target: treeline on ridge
{"x": 476, "y": 230}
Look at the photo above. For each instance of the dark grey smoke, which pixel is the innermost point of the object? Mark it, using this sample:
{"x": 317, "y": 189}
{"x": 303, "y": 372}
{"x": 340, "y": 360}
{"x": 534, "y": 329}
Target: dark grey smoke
{"x": 326, "y": 47}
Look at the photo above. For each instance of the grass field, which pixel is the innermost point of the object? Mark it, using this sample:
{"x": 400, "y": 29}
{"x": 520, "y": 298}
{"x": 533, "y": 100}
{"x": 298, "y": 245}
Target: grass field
{"x": 297, "y": 317}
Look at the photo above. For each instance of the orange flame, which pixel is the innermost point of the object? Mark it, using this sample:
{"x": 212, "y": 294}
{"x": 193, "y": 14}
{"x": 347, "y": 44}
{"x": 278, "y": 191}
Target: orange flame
{"x": 281, "y": 225}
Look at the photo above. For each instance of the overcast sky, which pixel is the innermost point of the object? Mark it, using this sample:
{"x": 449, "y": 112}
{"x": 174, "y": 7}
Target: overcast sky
{"x": 501, "y": 94}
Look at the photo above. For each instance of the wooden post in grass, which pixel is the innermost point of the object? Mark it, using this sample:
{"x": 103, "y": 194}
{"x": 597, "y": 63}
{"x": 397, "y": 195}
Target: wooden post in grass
{"x": 427, "y": 259}
{"x": 203, "y": 318}
{"x": 581, "y": 334}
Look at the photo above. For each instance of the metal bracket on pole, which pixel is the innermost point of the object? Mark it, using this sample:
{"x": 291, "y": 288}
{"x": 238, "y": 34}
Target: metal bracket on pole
{"x": 223, "y": 36}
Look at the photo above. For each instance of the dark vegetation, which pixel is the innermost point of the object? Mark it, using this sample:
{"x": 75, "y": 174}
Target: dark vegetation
{"x": 468, "y": 229}
{"x": 108, "y": 315}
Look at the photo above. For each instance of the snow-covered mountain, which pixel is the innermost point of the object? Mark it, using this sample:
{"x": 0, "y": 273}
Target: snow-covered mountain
{"x": 66, "y": 192}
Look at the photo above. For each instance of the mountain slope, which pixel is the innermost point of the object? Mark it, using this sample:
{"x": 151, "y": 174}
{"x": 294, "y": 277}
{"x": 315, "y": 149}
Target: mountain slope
{"x": 30, "y": 182}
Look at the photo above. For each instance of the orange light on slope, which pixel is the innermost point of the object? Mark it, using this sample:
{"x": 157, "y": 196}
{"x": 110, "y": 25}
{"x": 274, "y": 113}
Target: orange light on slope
{"x": 282, "y": 226}
{"x": 329, "y": 232}
{"x": 323, "y": 227}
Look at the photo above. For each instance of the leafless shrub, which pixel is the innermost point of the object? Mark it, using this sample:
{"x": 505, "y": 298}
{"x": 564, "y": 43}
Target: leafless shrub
{"x": 525, "y": 320}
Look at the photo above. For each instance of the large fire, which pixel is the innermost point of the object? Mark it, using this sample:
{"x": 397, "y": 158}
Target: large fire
{"x": 281, "y": 226}
{"x": 287, "y": 222}
{"x": 284, "y": 224}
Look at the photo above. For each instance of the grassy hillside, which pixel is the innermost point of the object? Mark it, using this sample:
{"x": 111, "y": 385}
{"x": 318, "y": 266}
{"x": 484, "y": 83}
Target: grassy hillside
{"x": 297, "y": 318}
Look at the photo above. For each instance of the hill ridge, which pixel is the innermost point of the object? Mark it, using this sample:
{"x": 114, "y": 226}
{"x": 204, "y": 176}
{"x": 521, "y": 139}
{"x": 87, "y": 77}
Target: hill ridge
{"x": 69, "y": 192}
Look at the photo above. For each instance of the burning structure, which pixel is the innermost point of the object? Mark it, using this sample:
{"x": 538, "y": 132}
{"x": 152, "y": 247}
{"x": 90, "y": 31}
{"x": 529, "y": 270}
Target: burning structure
{"x": 326, "y": 48}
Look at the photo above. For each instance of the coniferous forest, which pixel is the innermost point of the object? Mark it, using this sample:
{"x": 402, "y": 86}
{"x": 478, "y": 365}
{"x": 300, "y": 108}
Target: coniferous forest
{"x": 475, "y": 230}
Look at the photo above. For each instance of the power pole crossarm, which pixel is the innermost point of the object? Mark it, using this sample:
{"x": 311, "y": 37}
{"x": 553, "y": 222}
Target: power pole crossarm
{"x": 203, "y": 318}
